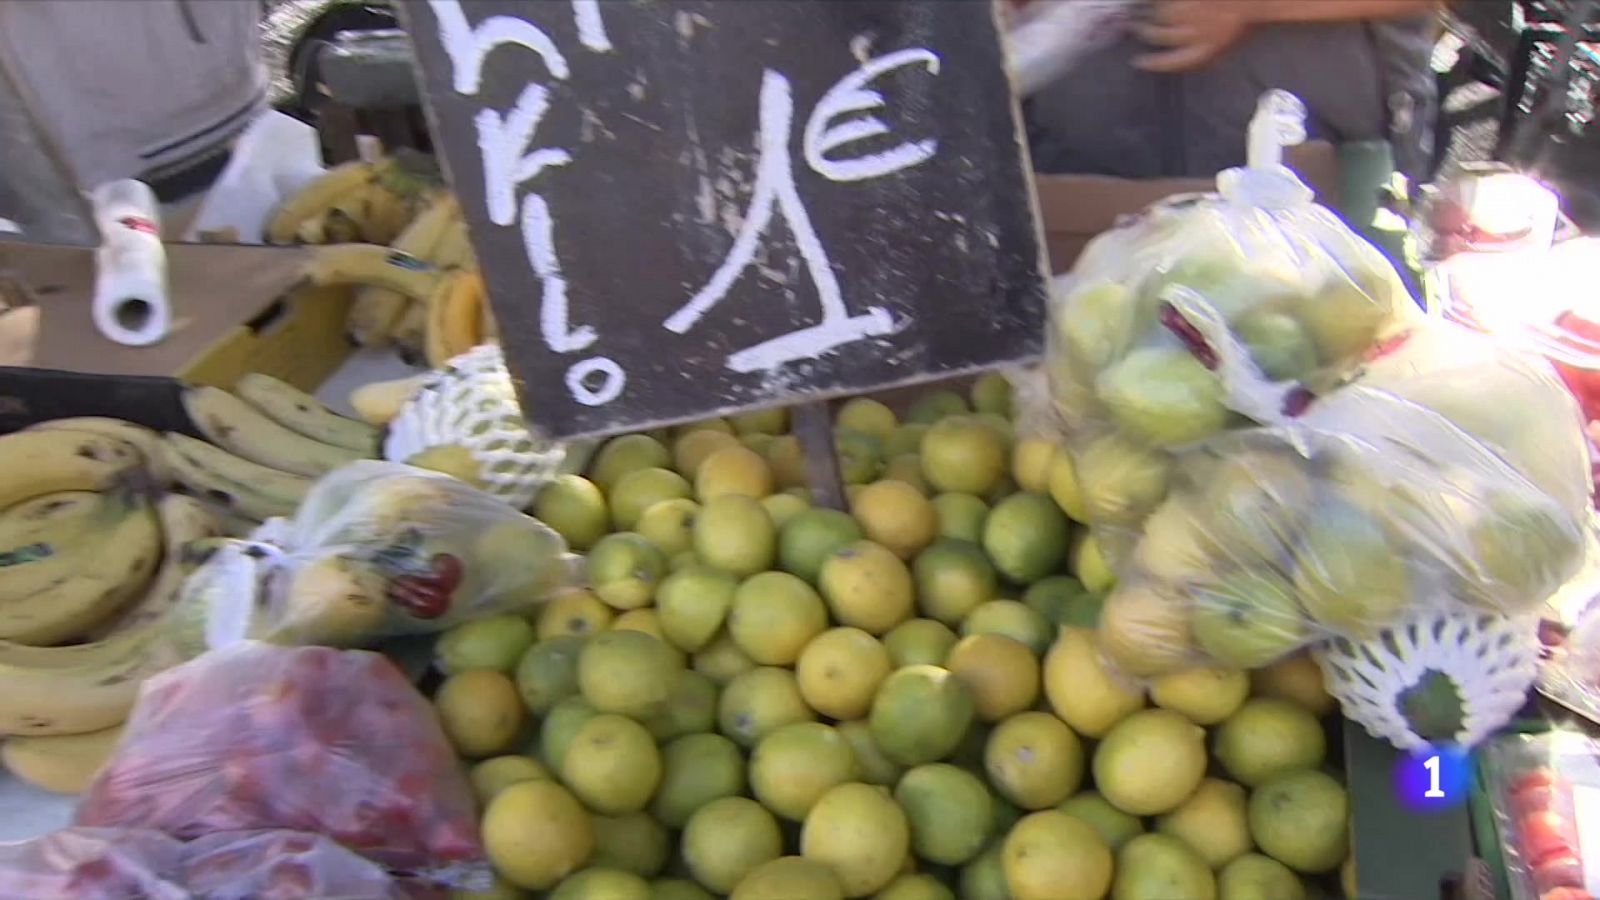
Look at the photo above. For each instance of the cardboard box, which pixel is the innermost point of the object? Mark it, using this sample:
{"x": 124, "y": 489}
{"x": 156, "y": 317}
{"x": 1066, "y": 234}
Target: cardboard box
{"x": 1075, "y": 208}
{"x": 236, "y": 309}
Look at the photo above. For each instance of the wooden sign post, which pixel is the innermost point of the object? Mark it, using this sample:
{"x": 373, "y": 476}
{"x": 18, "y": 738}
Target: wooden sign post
{"x": 685, "y": 209}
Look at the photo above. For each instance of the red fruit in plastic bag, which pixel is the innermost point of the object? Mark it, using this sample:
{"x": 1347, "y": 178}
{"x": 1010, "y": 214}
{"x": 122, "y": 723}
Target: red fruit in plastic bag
{"x": 1566, "y": 893}
{"x": 301, "y": 750}
{"x": 1558, "y": 871}
{"x": 1545, "y": 835}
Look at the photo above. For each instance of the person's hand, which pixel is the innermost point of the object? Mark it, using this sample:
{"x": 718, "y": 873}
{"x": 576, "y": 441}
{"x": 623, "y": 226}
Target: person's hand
{"x": 1191, "y": 33}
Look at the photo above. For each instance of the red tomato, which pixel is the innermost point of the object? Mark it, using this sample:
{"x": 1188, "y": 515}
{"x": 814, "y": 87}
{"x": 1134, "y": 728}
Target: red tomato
{"x": 1566, "y": 893}
{"x": 1545, "y": 835}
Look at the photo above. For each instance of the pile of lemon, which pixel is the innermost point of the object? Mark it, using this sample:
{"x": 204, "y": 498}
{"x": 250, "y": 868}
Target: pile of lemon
{"x": 763, "y": 699}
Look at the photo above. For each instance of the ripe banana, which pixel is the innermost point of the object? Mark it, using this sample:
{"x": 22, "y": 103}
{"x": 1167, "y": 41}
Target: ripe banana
{"x": 408, "y": 332}
{"x": 388, "y": 212}
{"x": 49, "y": 461}
{"x": 147, "y": 440}
{"x": 235, "y": 425}
{"x": 55, "y": 536}
{"x": 84, "y": 698}
{"x": 380, "y": 401}
{"x": 116, "y": 566}
{"x": 300, "y": 412}
{"x": 184, "y": 520}
{"x": 232, "y": 482}
{"x": 488, "y": 328}
{"x": 373, "y": 264}
{"x": 452, "y": 326}
{"x": 454, "y": 250}
{"x": 44, "y": 526}
{"x": 63, "y": 763}
{"x": 313, "y": 200}
{"x": 376, "y": 310}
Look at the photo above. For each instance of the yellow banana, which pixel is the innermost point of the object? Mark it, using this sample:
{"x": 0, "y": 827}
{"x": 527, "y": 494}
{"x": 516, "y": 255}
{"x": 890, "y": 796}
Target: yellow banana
{"x": 380, "y": 401}
{"x": 316, "y": 198}
{"x": 34, "y": 463}
{"x": 67, "y": 523}
{"x": 232, "y": 482}
{"x": 146, "y": 439}
{"x": 388, "y": 212}
{"x": 332, "y": 600}
{"x": 408, "y": 332}
{"x": 61, "y": 763}
{"x": 356, "y": 264}
{"x": 300, "y": 412}
{"x": 453, "y": 317}
{"x": 80, "y": 699}
{"x": 54, "y": 520}
{"x": 183, "y": 520}
{"x": 237, "y": 426}
{"x": 488, "y": 328}
{"x": 117, "y": 566}
{"x": 376, "y": 310}
{"x": 454, "y": 250}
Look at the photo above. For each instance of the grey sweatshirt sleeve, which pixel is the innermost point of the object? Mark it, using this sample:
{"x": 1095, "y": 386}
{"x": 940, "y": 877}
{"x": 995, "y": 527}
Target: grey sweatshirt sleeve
{"x": 135, "y": 88}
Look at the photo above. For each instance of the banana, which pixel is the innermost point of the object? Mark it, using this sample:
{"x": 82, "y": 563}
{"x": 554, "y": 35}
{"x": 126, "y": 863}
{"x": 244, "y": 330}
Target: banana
{"x": 408, "y": 332}
{"x": 232, "y": 482}
{"x": 313, "y": 200}
{"x": 380, "y": 401}
{"x": 453, "y": 318}
{"x": 376, "y": 310}
{"x": 66, "y": 524}
{"x": 116, "y": 565}
{"x": 373, "y": 264}
{"x": 342, "y": 224}
{"x": 388, "y": 212}
{"x": 34, "y": 463}
{"x": 237, "y": 426}
{"x": 63, "y": 763}
{"x": 80, "y": 699}
{"x": 183, "y": 520}
{"x": 147, "y": 440}
{"x": 454, "y": 250}
{"x": 44, "y": 526}
{"x": 300, "y": 412}
{"x": 488, "y": 328}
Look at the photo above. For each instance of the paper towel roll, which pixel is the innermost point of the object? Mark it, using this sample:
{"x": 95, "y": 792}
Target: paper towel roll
{"x": 130, "y": 289}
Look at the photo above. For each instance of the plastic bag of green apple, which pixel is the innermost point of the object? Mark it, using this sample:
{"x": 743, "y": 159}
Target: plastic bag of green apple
{"x": 378, "y": 549}
{"x": 1368, "y": 510}
{"x": 1209, "y": 312}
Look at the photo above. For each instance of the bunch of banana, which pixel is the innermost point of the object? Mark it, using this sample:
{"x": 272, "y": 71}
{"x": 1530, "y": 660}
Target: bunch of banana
{"x": 92, "y": 554}
{"x": 357, "y": 202}
{"x": 268, "y": 441}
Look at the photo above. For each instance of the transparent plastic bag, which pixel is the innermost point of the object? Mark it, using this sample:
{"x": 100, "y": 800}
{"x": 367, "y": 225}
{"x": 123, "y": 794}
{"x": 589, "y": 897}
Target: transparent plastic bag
{"x": 289, "y": 865}
{"x": 1543, "y": 789}
{"x": 144, "y": 864}
{"x": 1366, "y": 511}
{"x": 1210, "y": 312}
{"x": 378, "y": 549}
{"x": 310, "y": 739}
{"x": 94, "y": 864}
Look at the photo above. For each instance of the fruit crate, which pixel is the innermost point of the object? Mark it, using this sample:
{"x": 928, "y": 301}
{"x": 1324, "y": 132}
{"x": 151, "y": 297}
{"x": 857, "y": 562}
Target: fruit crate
{"x": 1399, "y": 851}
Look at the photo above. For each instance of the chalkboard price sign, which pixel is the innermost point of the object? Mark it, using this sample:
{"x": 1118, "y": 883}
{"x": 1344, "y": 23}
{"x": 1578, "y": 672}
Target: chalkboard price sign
{"x": 689, "y": 208}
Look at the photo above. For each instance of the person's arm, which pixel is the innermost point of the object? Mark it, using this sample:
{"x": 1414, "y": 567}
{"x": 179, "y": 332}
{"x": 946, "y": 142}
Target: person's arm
{"x": 1190, "y": 33}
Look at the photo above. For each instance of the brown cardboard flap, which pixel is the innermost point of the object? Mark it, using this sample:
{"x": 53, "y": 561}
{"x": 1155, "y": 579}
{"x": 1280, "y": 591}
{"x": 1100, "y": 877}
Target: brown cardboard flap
{"x": 1075, "y": 208}
{"x": 214, "y": 289}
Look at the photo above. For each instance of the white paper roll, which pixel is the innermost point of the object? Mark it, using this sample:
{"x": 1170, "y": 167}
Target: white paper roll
{"x": 130, "y": 290}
